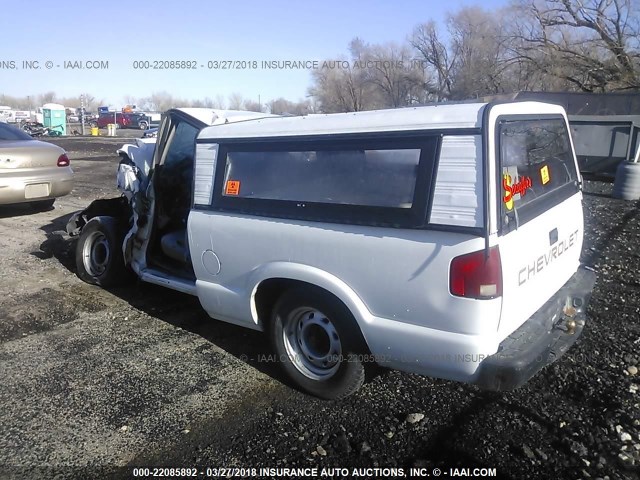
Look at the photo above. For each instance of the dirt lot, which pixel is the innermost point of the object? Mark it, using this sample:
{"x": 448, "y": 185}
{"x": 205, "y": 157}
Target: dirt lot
{"x": 95, "y": 382}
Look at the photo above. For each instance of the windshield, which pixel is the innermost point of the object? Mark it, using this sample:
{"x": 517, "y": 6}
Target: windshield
{"x": 8, "y": 132}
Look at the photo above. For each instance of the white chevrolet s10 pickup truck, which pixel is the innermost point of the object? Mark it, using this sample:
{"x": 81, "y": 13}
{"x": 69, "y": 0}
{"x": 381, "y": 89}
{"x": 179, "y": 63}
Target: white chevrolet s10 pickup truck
{"x": 442, "y": 240}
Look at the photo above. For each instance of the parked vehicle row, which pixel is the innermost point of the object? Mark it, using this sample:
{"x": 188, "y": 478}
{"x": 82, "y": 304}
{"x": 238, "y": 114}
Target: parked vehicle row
{"x": 122, "y": 120}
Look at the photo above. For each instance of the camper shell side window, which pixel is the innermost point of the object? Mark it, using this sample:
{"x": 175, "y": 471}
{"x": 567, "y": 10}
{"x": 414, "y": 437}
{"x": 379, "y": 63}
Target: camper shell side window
{"x": 371, "y": 181}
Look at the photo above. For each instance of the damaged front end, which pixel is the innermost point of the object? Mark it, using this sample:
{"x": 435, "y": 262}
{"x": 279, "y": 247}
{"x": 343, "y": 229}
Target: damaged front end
{"x": 111, "y": 207}
{"x": 131, "y": 209}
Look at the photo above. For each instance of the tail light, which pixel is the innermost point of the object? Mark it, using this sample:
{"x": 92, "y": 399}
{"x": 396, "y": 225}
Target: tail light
{"x": 476, "y": 275}
{"x": 63, "y": 160}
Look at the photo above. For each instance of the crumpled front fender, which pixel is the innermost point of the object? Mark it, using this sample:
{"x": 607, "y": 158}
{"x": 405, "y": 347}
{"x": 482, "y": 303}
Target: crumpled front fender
{"x": 118, "y": 208}
{"x": 75, "y": 223}
{"x": 140, "y": 154}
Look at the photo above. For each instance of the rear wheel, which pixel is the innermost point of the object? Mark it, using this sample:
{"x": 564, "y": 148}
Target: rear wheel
{"x": 99, "y": 259}
{"x": 143, "y": 125}
{"x": 627, "y": 182}
{"x": 43, "y": 205}
{"x": 318, "y": 343}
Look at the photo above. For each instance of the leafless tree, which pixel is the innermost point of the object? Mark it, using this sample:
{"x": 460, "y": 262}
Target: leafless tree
{"x": 374, "y": 76}
{"x": 91, "y": 103}
{"x": 338, "y": 88}
{"x": 252, "y": 106}
{"x": 218, "y": 102}
{"x": 397, "y": 79}
{"x": 22, "y": 103}
{"x": 48, "y": 97}
{"x": 130, "y": 100}
{"x": 159, "y": 102}
{"x": 591, "y": 45}
{"x": 236, "y": 102}
{"x": 481, "y": 66}
{"x": 426, "y": 39}
{"x": 33, "y": 101}
{"x": 474, "y": 61}
{"x": 282, "y": 106}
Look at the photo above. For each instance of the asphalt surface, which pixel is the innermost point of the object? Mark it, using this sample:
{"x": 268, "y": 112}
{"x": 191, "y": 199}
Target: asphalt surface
{"x": 96, "y": 382}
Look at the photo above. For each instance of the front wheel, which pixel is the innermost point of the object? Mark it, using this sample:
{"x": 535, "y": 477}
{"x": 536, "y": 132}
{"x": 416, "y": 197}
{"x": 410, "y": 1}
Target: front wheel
{"x": 143, "y": 125}
{"x": 319, "y": 343}
{"x": 99, "y": 259}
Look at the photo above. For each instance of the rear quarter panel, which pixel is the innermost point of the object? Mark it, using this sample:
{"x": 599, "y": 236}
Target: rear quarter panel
{"x": 397, "y": 274}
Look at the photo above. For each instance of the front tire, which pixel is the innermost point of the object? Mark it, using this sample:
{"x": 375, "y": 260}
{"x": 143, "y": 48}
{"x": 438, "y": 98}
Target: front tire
{"x": 318, "y": 342}
{"x": 99, "y": 259}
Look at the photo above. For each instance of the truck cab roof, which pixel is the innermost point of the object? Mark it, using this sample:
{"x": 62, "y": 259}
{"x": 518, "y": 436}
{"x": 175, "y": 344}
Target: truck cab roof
{"x": 216, "y": 116}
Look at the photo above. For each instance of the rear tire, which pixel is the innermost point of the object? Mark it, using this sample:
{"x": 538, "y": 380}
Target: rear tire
{"x": 627, "y": 182}
{"x": 143, "y": 125}
{"x": 99, "y": 259}
{"x": 42, "y": 205}
{"x": 318, "y": 342}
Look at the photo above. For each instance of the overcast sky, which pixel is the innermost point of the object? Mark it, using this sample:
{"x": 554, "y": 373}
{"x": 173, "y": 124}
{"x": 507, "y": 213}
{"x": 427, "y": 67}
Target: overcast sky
{"x": 121, "y": 33}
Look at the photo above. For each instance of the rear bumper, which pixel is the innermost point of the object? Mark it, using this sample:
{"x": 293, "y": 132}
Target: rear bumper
{"x": 58, "y": 181}
{"x": 542, "y": 339}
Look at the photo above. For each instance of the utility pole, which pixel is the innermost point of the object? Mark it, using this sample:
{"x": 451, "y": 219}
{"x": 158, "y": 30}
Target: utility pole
{"x": 82, "y": 112}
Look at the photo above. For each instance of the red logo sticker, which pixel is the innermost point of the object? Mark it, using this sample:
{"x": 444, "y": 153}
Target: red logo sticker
{"x": 520, "y": 187}
{"x": 232, "y": 187}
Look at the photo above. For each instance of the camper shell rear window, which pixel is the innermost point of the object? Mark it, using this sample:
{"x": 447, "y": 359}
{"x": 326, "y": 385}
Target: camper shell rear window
{"x": 376, "y": 181}
{"x": 537, "y": 168}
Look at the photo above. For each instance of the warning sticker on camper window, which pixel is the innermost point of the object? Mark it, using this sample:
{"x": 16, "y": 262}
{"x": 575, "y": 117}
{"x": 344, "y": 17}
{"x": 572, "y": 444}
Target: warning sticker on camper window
{"x": 232, "y": 187}
{"x": 508, "y": 198}
{"x": 544, "y": 175}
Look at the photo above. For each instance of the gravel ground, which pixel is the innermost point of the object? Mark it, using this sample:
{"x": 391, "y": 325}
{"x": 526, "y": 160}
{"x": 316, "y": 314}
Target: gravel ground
{"x": 95, "y": 382}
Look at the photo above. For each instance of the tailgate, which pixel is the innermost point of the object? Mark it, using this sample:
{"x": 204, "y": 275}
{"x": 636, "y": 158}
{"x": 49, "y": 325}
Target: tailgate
{"x": 541, "y": 223}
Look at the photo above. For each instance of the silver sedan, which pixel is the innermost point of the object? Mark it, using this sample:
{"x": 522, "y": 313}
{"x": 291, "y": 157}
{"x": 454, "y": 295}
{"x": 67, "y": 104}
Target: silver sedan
{"x": 31, "y": 171}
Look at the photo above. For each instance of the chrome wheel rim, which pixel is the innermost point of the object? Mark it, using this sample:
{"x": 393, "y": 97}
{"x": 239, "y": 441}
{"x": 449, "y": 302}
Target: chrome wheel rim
{"x": 96, "y": 254}
{"x": 312, "y": 343}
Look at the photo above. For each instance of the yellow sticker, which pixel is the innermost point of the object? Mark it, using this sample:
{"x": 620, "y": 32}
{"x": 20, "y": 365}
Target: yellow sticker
{"x": 544, "y": 175}
{"x": 232, "y": 187}
{"x": 508, "y": 198}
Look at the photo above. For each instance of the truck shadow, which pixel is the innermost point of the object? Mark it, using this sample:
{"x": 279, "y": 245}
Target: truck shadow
{"x": 175, "y": 308}
{"x": 18, "y": 210}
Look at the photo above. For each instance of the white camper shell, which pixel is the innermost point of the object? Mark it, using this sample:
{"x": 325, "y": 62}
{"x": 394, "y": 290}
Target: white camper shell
{"x": 441, "y": 240}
